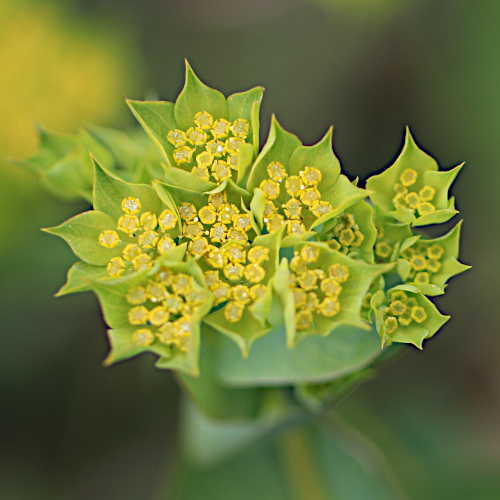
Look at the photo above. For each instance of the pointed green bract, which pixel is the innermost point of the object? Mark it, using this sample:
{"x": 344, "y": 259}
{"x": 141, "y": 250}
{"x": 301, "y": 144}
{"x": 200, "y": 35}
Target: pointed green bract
{"x": 440, "y": 260}
{"x": 412, "y": 190}
{"x": 280, "y": 146}
{"x": 51, "y": 149}
{"x": 110, "y": 191}
{"x": 157, "y": 118}
{"x": 82, "y": 235}
{"x": 426, "y": 320}
{"x": 247, "y": 105}
{"x": 341, "y": 195}
{"x": 195, "y": 97}
{"x": 320, "y": 156}
{"x": 122, "y": 347}
{"x": 80, "y": 278}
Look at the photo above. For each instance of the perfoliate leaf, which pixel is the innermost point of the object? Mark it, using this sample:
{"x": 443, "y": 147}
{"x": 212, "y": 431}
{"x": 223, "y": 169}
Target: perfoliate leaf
{"x": 80, "y": 277}
{"x": 195, "y": 97}
{"x": 210, "y": 395}
{"x": 110, "y": 191}
{"x": 316, "y": 359}
{"x": 246, "y": 105}
{"x": 279, "y": 147}
{"x": 82, "y": 234}
{"x": 157, "y": 118}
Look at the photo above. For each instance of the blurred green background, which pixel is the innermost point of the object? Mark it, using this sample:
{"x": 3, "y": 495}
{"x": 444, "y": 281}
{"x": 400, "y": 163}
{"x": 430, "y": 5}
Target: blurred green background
{"x": 72, "y": 430}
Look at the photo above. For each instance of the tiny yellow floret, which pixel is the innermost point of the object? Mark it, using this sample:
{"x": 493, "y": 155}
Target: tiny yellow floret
{"x": 131, "y": 205}
{"x": 425, "y": 208}
{"x": 391, "y": 323}
{"x": 427, "y": 193}
{"x": 233, "y": 311}
{"x": 148, "y": 239}
{"x": 383, "y": 249}
{"x": 203, "y": 119}
{"x": 331, "y": 287}
{"x": 220, "y": 128}
{"x": 143, "y": 337}
{"x": 240, "y": 127}
{"x": 167, "y": 219}
{"x": 164, "y": 244}
{"x": 138, "y": 315}
{"x": 128, "y": 224}
{"x": 311, "y": 176}
{"x": 158, "y": 316}
{"x": 176, "y": 137}
{"x": 183, "y": 154}
{"x": 418, "y": 314}
{"x": 329, "y": 307}
{"x": 116, "y": 266}
{"x": 254, "y": 273}
{"x": 137, "y": 295}
{"x": 435, "y": 251}
{"x": 409, "y": 177}
{"x": 109, "y": 239}
{"x": 397, "y": 307}
{"x": 271, "y": 189}
{"x": 310, "y": 253}
{"x": 276, "y": 171}
{"x": 303, "y": 319}
{"x": 142, "y": 262}
{"x": 258, "y": 254}
{"x": 339, "y": 272}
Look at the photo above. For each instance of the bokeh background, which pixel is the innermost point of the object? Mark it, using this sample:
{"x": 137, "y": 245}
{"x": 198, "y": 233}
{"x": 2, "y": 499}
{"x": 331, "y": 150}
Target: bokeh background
{"x": 73, "y": 430}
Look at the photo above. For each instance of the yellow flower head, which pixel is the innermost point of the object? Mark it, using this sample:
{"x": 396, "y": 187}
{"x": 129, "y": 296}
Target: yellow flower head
{"x": 167, "y": 219}
{"x": 109, "y": 239}
{"x": 131, "y": 205}
{"x": 203, "y": 119}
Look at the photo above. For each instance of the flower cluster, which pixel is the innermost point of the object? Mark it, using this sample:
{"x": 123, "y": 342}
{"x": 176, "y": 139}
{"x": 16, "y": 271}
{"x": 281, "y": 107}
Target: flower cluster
{"x": 210, "y": 148}
{"x": 251, "y": 243}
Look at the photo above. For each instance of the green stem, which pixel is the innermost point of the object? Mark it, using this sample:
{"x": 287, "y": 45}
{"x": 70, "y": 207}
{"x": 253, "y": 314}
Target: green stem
{"x": 301, "y": 469}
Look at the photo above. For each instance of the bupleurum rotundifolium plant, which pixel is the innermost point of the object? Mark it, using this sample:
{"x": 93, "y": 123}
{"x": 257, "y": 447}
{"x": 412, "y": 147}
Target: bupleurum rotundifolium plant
{"x": 248, "y": 242}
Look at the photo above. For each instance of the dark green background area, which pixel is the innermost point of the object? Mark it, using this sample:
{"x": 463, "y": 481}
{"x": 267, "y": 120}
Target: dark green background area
{"x": 74, "y": 430}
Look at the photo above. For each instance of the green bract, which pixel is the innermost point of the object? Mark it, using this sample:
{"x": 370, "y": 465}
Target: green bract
{"x": 272, "y": 264}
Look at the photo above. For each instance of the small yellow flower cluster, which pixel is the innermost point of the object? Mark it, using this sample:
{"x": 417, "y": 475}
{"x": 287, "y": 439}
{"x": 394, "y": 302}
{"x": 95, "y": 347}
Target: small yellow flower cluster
{"x": 242, "y": 274}
{"x": 302, "y": 199}
{"x": 345, "y": 235}
{"x": 412, "y": 200}
{"x": 383, "y": 249}
{"x": 164, "y": 308}
{"x": 402, "y": 310}
{"x": 148, "y": 233}
{"x": 424, "y": 260}
{"x": 219, "y": 221}
{"x": 211, "y": 148}
{"x": 315, "y": 291}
